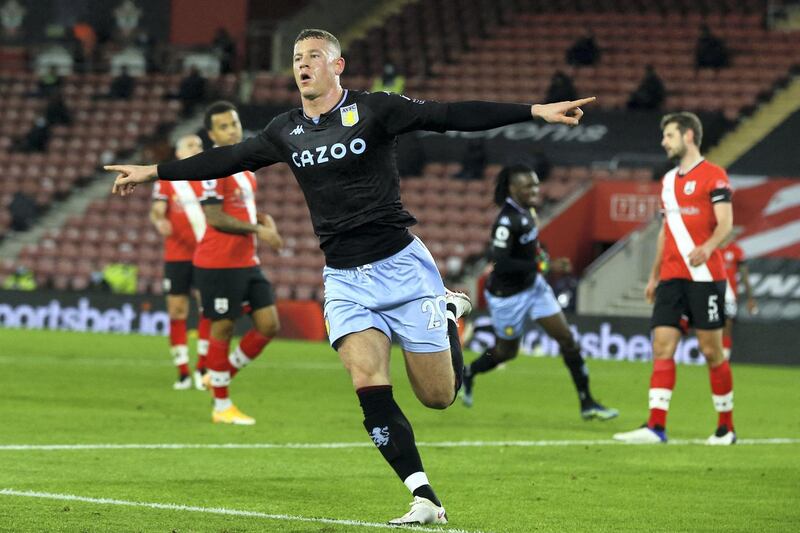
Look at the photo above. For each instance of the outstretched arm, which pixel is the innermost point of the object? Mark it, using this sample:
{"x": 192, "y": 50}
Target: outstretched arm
{"x": 476, "y": 116}
{"x": 251, "y": 154}
{"x": 400, "y": 114}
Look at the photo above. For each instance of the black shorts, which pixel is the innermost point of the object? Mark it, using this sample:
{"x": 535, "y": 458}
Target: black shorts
{"x": 224, "y": 291}
{"x": 683, "y": 303}
{"x": 178, "y": 277}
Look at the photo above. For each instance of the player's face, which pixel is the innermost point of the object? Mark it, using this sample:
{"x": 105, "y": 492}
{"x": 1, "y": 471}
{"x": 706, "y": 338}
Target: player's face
{"x": 316, "y": 67}
{"x": 188, "y": 146}
{"x": 673, "y": 142}
{"x": 524, "y": 189}
{"x": 226, "y": 129}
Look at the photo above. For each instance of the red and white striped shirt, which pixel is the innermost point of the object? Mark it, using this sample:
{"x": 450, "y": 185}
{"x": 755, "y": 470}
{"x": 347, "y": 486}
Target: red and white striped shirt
{"x": 184, "y": 214}
{"x": 689, "y": 220}
{"x": 218, "y": 249}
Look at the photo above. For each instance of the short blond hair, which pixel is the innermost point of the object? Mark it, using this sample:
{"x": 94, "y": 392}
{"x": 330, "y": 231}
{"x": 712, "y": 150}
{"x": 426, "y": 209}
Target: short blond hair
{"x": 313, "y": 33}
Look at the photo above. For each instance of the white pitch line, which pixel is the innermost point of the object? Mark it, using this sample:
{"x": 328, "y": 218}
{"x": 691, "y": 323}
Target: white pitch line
{"x": 216, "y": 510}
{"x": 345, "y": 445}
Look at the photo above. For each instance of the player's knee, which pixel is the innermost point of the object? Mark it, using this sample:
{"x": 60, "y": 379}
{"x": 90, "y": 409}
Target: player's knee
{"x": 502, "y": 357}
{"x": 710, "y": 350}
{"x": 663, "y": 350}
{"x": 270, "y": 329}
{"x": 222, "y": 330}
{"x": 438, "y": 399}
{"x": 569, "y": 348}
{"x": 178, "y": 311}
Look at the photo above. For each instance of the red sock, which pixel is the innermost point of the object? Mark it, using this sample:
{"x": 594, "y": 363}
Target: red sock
{"x": 218, "y": 362}
{"x": 722, "y": 393}
{"x": 204, "y": 328}
{"x": 177, "y": 332}
{"x": 203, "y": 333}
{"x": 250, "y": 347}
{"x": 662, "y": 381}
{"x": 252, "y": 343}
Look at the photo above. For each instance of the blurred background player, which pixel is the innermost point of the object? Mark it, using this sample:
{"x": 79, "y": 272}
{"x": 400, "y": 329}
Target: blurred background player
{"x": 380, "y": 280}
{"x": 516, "y": 290}
{"x": 228, "y": 271}
{"x": 735, "y": 266}
{"x": 687, "y": 281}
{"x": 178, "y": 217}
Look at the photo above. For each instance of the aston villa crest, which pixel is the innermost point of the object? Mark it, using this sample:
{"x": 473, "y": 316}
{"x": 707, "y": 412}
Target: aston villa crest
{"x": 349, "y": 115}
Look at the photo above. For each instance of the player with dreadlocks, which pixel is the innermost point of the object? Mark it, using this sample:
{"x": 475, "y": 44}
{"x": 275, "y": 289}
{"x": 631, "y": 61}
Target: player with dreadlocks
{"x": 515, "y": 290}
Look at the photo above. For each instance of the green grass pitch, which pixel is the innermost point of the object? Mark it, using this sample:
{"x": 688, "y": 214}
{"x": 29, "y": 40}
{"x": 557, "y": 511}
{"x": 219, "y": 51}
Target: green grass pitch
{"x": 61, "y": 388}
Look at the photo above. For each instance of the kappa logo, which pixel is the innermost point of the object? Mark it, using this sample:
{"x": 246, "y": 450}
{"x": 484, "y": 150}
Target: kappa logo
{"x": 349, "y": 115}
{"x": 298, "y": 130}
{"x": 689, "y": 187}
{"x": 221, "y": 305}
{"x": 380, "y": 436}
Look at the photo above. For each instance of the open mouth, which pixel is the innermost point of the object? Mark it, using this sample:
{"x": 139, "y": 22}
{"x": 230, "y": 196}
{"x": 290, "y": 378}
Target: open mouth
{"x": 305, "y": 77}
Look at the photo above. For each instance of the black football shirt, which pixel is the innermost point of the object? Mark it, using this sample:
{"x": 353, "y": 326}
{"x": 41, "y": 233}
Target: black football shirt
{"x": 515, "y": 238}
{"x": 345, "y": 164}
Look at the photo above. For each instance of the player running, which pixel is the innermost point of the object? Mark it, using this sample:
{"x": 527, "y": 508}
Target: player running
{"x": 515, "y": 290}
{"x": 228, "y": 269}
{"x": 687, "y": 281}
{"x": 380, "y": 280}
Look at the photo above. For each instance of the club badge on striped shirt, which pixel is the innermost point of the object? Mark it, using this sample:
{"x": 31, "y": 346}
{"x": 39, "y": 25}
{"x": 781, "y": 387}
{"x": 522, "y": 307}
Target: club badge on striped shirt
{"x": 689, "y": 186}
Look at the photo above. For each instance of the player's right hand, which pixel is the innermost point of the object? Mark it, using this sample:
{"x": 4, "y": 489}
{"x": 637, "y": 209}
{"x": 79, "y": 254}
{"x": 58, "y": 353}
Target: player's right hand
{"x": 131, "y": 175}
{"x": 268, "y": 231}
{"x": 650, "y": 291}
{"x": 164, "y": 228}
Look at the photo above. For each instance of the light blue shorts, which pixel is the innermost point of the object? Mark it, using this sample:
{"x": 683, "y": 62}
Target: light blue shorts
{"x": 509, "y": 312}
{"x": 401, "y": 295}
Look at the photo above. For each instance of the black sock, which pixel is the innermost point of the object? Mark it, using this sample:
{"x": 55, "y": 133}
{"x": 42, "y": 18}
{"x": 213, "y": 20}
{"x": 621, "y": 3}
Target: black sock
{"x": 482, "y": 364}
{"x": 456, "y": 356}
{"x": 391, "y": 432}
{"x": 579, "y": 372}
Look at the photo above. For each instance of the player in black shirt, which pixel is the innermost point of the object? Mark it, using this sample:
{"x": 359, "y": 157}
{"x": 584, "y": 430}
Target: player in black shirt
{"x": 380, "y": 280}
{"x": 515, "y": 290}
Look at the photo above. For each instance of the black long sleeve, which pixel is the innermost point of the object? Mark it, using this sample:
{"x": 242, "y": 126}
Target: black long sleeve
{"x": 401, "y": 114}
{"x": 479, "y": 116}
{"x": 250, "y": 154}
{"x": 211, "y": 164}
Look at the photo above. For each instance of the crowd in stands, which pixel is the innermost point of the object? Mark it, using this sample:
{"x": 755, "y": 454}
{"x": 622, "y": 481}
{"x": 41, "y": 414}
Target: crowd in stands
{"x": 573, "y": 54}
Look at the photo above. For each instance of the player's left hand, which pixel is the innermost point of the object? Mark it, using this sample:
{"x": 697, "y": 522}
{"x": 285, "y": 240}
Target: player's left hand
{"x": 568, "y": 112}
{"x": 699, "y": 255}
{"x": 752, "y": 307}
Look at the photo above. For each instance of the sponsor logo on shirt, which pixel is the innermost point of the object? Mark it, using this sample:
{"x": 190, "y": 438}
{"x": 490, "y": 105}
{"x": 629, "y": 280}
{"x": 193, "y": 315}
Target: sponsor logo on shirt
{"x": 323, "y": 154}
{"x": 349, "y": 115}
{"x": 298, "y": 130}
{"x": 690, "y": 210}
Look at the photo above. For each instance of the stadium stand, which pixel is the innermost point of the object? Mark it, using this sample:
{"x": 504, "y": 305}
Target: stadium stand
{"x": 492, "y": 56}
